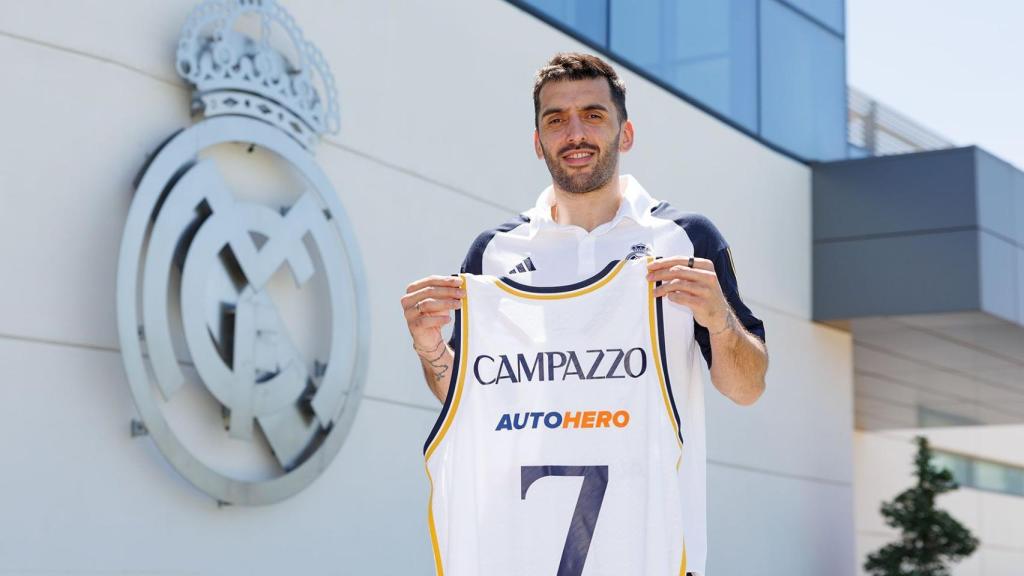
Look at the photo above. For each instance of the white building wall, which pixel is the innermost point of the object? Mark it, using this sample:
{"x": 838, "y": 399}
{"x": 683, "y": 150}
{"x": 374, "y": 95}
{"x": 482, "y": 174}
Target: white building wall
{"x": 435, "y": 146}
{"x": 884, "y": 468}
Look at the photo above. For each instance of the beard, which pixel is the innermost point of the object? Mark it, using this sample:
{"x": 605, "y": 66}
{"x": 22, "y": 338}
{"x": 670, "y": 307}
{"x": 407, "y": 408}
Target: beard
{"x": 602, "y": 172}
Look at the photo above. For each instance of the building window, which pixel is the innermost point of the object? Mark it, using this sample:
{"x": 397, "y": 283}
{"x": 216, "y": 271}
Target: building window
{"x": 828, "y": 12}
{"x": 705, "y": 49}
{"x": 588, "y": 18}
{"x": 803, "y": 84}
{"x": 959, "y": 466}
{"x": 982, "y": 474}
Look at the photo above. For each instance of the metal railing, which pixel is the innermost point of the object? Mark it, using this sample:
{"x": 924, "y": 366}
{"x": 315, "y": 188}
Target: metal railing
{"x": 877, "y": 130}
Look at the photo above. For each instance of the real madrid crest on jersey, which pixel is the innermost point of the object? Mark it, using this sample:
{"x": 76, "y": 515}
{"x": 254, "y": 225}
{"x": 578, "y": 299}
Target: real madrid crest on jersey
{"x": 242, "y": 308}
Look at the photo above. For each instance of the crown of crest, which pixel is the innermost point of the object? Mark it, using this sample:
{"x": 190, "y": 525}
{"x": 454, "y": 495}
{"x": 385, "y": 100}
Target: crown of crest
{"x": 235, "y": 73}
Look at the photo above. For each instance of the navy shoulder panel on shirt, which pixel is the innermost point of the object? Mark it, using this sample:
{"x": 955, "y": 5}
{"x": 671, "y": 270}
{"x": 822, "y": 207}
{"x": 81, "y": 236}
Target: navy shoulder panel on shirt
{"x": 709, "y": 243}
{"x": 705, "y": 237}
{"x": 473, "y": 263}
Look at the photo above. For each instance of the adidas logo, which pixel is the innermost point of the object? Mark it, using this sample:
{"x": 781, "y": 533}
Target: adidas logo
{"x": 525, "y": 266}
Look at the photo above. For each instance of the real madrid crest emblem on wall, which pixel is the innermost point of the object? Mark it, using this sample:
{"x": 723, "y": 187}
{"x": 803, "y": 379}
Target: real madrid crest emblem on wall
{"x": 242, "y": 305}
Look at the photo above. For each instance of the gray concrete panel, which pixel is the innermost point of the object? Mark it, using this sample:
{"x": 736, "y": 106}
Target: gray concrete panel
{"x": 749, "y": 509}
{"x": 771, "y": 435}
{"x": 85, "y": 487}
{"x": 995, "y": 195}
{"x": 894, "y": 194}
{"x": 1020, "y": 285}
{"x": 998, "y": 278}
{"x": 1018, "y": 207}
{"x": 896, "y": 275}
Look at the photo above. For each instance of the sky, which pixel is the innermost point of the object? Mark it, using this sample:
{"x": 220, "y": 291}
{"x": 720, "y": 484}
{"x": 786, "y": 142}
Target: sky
{"x": 954, "y": 66}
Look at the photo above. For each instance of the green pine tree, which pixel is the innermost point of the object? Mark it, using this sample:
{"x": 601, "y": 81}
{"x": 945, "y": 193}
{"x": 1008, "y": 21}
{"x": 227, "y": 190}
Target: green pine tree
{"x": 930, "y": 539}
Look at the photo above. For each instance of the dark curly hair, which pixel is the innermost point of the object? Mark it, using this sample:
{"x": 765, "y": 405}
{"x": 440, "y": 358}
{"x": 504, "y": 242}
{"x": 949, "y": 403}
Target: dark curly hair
{"x": 578, "y": 66}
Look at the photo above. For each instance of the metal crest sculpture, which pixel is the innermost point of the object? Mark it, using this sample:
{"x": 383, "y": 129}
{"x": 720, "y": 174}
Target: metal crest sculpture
{"x": 200, "y": 329}
{"x": 234, "y": 73}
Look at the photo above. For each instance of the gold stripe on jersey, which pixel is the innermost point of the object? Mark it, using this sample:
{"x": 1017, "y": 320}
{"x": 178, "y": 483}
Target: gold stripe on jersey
{"x": 438, "y": 569}
{"x": 659, "y": 368}
{"x": 682, "y": 565}
{"x": 463, "y": 355}
{"x": 656, "y": 353}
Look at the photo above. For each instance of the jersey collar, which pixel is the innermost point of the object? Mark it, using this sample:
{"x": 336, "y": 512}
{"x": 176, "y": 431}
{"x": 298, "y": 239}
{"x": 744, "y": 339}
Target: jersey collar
{"x": 636, "y": 203}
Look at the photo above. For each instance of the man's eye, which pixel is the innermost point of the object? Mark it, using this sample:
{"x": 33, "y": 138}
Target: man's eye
{"x": 554, "y": 121}
{"x": 595, "y": 116}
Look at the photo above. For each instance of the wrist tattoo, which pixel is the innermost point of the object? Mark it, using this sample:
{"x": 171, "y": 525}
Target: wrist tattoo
{"x": 440, "y": 355}
{"x": 422, "y": 351}
{"x": 730, "y": 323}
{"x": 439, "y": 368}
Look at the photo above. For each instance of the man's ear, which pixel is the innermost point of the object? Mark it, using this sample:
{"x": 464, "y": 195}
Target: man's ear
{"x": 536, "y": 145}
{"x": 626, "y": 137}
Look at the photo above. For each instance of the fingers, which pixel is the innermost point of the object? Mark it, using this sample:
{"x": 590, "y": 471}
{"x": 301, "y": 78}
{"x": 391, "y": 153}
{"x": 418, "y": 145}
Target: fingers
{"x": 428, "y": 303}
{"x": 437, "y": 281}
{"x": 670, "y": 261}
{"x": 434, "y": 292}
{"x": 682, "y": 272}
{"x": 427, "y": 306}
{"x": 687, "y": 287}
{"x": 431, "y": 299}
{"x": 432, "y": 307}
{"x": 424, "y": 322}
{"x": 684, "y": 298}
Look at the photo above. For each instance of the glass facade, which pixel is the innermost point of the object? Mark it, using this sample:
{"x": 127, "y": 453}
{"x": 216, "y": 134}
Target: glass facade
{"x": 587, "y": 18}
{"x": 982, "y": 474}
{"x": 803, "y": 84}
{"x": 775, "y": 69}
{"x": 828, "y": 12}
{"x": 707, "y": 50}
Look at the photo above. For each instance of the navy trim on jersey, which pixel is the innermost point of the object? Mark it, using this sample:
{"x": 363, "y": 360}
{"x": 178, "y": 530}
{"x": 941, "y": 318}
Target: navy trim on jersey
{"x": 567, "y": 288}
{"x": 659, "y": 318}
{"x": 709, "y": 243}
{"x": 456, "y": 343}
{"x": 473, "y": 263}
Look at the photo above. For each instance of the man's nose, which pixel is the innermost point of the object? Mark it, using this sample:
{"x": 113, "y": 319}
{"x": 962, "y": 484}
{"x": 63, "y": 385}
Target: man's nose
{"x": 576, "y": 132}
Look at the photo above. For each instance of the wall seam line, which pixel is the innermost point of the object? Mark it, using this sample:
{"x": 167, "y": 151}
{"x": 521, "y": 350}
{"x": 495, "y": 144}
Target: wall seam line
{"x": 780, "y": 474}
{"x": 90, "y": 56}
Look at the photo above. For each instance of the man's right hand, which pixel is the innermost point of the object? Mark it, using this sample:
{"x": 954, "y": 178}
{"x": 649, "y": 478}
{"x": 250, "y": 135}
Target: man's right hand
{"x": 428, "y": 303}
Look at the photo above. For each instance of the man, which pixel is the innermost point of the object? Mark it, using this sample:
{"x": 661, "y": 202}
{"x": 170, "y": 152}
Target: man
{"x": 591, "y": 215}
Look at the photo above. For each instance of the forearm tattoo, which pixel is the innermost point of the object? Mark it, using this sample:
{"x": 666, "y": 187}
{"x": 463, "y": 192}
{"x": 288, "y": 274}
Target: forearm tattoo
{"x": 438, "y": 366}
{"x": 439, "y": 374}
{"x": 731, "y": 322}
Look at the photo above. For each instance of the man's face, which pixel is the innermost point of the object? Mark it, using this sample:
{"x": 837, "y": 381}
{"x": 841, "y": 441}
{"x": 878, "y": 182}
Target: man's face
{"x": 579, "y": 134}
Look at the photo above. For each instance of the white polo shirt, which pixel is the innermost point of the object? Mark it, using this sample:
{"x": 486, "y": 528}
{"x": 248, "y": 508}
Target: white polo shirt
{"x": 535, "y": 250}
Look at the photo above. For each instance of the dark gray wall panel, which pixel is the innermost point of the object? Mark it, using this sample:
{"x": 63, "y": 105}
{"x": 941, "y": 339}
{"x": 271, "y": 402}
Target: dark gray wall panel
{"x": 913, "y": 274}
{"x": 895, "y": 194}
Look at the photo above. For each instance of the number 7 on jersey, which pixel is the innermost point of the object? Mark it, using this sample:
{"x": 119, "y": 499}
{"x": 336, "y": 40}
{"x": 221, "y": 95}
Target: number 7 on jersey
{"x": 584, "y": 517}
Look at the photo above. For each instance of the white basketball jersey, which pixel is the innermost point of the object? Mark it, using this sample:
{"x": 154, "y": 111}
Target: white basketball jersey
{"x": 559, "y": 447}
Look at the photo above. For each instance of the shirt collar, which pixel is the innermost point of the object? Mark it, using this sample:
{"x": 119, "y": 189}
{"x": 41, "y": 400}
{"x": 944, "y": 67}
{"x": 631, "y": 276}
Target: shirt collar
{"x": 635, "y": 204}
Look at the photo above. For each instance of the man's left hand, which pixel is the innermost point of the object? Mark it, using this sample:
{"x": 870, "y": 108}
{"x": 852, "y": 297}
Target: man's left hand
{"x": 696, "y": 288}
